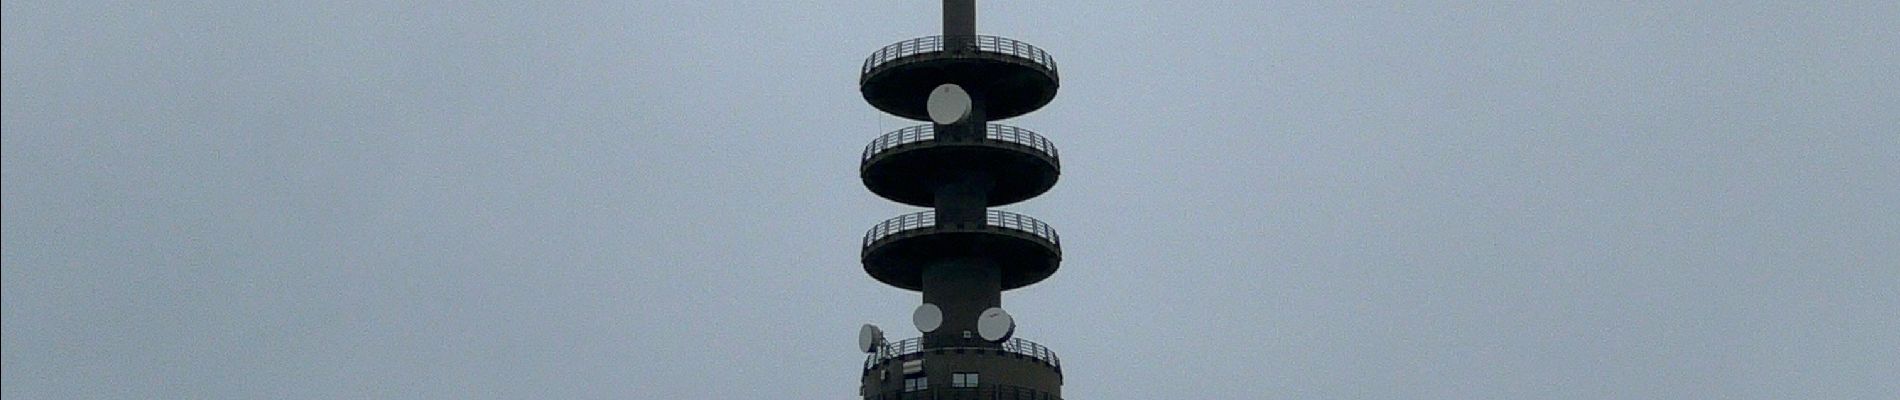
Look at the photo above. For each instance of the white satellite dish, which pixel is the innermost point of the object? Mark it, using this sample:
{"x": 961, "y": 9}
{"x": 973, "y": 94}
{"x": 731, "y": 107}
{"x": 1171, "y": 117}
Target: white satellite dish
{"x": 995, "y": 325}
{"x": 870, "y": 338}
{"x": 948, "y": 103}
{"x": 927, "y": 317}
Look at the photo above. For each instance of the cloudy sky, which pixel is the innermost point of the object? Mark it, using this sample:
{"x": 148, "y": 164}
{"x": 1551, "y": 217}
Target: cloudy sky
{"x": 658, "y": 199}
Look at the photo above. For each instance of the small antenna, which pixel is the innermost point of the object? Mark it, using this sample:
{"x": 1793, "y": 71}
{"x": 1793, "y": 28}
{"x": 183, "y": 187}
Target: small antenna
{"x": 995, "y": 325}
{"x": 948, "y": 103}
{"x": 870, "y": 338}
{"x": 927, "y": 317}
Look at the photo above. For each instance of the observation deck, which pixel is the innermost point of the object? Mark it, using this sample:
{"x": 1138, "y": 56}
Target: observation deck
{"x": 906, "y": 165}
{"x": 1014, "y": 347}
{"x": 1010, "y": 77}
{"x": 1024, "y": 249}
{"x": 979, "y": 392}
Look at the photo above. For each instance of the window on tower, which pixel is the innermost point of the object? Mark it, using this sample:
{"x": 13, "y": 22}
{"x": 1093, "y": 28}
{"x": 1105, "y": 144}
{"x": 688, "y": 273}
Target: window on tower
{"x": 963, "y": 380}
{"x": 916, "y": 384}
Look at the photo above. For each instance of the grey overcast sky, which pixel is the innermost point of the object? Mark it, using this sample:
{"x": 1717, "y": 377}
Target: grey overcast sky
{"x": 658, "y": 199}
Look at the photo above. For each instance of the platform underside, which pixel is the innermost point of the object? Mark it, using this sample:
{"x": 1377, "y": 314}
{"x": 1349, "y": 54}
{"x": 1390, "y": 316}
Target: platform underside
{"x": 1007, "y": 86}
{"x": 910, "y": 173}
{"x": 899, "y": 260}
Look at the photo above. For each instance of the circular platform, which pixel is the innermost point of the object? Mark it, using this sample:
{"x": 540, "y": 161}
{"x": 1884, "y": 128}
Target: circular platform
{"x": 906, "y": 165}
{"x": 910, "y": 349}
{"x": 1010, "y": 77}
{"x": 1026, "y": 250}
{"x": 1016, "y": 369}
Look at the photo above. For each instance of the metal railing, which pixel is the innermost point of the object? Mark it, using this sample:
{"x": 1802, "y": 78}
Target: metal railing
{"x": 1021, "y": 136}
{"x": 928, "y": 132}
{"x": 943, "y": 391}
{"x": 991, "y": 218}
{"x": 1033, "y": 350}
{"x": 983, "y": 43}
{"x": 1010, "y": 220}
{"x": 916, "y": 220}
{"x": 900, "y": 137}
{"x": 915, "y": 345}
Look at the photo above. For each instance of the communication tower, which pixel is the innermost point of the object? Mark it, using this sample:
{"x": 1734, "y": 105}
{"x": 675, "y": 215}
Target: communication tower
{"x": 961, "y": 254}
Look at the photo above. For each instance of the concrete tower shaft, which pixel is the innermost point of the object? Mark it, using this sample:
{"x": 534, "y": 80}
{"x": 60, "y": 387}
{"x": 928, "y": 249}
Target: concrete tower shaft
{"x": 963, "y": 287}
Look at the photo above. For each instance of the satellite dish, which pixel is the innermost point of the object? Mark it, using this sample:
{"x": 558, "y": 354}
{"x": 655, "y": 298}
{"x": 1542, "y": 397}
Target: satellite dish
{"x": 995, "y": 325}
{"x": 870, "y": 338}
{"x": 948, "y": 103}
{"x": 927, "y": 317}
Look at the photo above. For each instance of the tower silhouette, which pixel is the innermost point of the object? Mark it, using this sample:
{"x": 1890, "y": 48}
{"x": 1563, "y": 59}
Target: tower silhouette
{"x": 961, "y": 254}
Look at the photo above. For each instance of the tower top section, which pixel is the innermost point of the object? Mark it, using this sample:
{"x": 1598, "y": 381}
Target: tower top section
{"x": 961, "y": 255}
